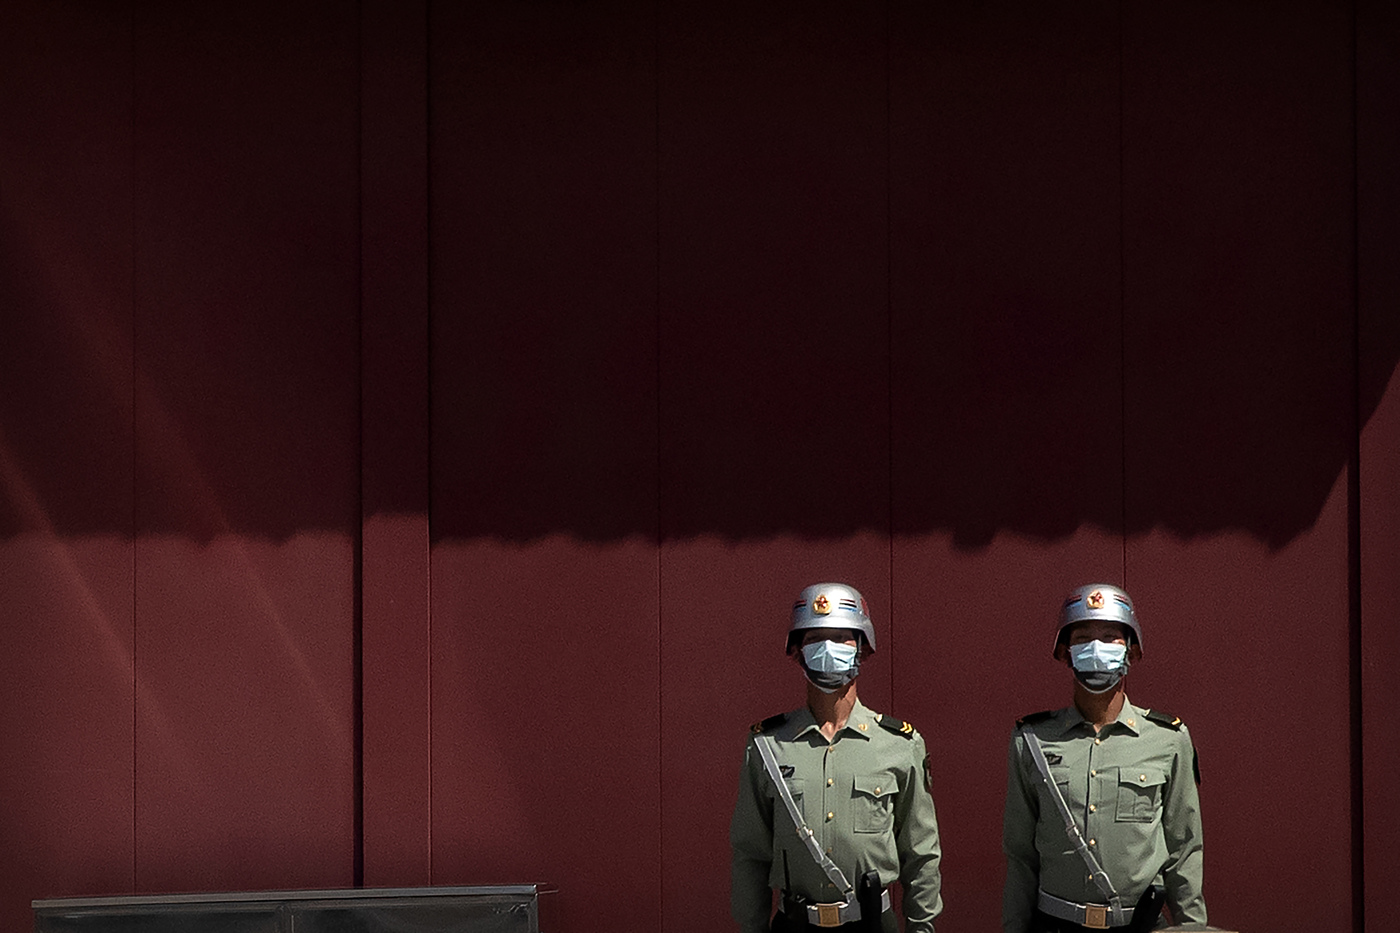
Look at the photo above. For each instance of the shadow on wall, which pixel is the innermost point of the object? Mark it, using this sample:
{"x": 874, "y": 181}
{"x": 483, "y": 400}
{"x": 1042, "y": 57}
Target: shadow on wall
{"x": 1246, "y": 430}
{"x": 753, "y": 379}
{"x": 1216, "y": 439}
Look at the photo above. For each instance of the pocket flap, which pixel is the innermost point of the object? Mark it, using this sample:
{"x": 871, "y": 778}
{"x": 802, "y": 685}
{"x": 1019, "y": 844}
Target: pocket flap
{"x": 879, "y": 784}
{"x": 794, "y": 786}
{"x": 1142, "y": 776}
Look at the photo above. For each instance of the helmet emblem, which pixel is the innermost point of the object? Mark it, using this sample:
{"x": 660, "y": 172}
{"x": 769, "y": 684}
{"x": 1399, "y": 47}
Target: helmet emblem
{"x": 821, "y": 605}
{"x": 1094, "y": 600}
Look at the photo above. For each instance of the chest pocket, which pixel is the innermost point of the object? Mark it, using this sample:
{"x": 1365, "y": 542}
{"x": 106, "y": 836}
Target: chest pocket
{"x": 795, "y": 788}
{"x": 872, "y": 803}
{"x": 1061, "y": 778}
{"x": 1140, "y": 794}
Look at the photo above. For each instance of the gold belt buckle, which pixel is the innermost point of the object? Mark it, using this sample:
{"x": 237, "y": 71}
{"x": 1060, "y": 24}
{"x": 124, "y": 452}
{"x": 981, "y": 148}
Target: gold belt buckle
{"x": 828, "y": 915}
{"x": 1095, "y": 917}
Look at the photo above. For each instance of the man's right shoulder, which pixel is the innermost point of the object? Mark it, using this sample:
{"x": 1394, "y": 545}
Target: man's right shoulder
{"x": 769, "y": 724}
{"x": 1030, "y": 719}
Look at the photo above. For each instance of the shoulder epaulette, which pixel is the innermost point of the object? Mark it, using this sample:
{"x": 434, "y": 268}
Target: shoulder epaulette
{"x": 897, "y": 726}
{"x": 1033, "y": 718}
{"x": 772, "y": 722}
{"x": 1164, "y": 719}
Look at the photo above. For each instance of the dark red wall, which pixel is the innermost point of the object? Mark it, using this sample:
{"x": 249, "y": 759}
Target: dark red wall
{"x": 415, "y": 419}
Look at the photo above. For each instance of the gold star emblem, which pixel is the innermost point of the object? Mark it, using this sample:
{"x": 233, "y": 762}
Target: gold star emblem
{"x": 1094, "y": 600}
{"x": 821, "y": 605}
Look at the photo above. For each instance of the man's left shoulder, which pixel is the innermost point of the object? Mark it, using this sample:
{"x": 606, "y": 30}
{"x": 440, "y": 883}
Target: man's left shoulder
{"x": 1164, "y": 719}
{"x": 895, "y": 725}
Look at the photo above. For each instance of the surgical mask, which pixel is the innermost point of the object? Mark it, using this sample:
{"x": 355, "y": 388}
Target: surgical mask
{"x": 830, "y": 665}
{"x": 1099, "y": 665}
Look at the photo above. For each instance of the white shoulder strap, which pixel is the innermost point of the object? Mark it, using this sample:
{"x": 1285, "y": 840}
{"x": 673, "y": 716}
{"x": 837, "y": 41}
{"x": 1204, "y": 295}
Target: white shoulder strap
{"x": 1101, "y": 879}
{"x": 770, "y": 762}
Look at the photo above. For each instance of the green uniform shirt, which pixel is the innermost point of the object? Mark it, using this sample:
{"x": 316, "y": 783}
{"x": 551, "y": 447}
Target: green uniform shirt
{"x": 865, "y": 795}
{"x": 1131, "y": 789}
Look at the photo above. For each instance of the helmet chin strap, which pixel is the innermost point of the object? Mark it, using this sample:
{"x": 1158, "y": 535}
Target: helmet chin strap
{"x": 1113, "y": 680}
{"x": 832, "y": 682}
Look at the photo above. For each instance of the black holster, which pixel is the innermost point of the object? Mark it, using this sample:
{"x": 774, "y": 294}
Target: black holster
{"x": 868, "y": 891}
{"x": 793, "y": 917}
{"x": 1148, "y": 909}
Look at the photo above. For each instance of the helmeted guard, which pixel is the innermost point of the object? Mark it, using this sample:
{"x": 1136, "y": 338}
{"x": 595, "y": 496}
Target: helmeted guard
{"x": 1102, "y": 820}
{"x": 834, "y": 802}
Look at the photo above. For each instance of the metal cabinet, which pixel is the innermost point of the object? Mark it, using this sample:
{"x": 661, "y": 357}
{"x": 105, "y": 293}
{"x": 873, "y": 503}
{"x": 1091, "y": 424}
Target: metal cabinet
{"x": 499, "y": 909}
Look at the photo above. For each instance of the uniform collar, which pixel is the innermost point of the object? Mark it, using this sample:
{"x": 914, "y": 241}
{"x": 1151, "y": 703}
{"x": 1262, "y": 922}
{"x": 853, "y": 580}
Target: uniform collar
{"x": 858, "y": 724}
{"x": 1130, "y": 719}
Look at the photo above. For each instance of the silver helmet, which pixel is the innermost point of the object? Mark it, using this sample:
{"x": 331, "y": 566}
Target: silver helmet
{"x": 831, "y": 605}
{"x": 1098, "y": 601}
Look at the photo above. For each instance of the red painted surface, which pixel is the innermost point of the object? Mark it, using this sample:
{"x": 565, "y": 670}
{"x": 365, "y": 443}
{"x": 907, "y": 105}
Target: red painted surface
{"x": 591, "y": 333}
{"x": 1004, "y": 242}
{"x": 773, "y": 386}
{"x": 1236, "y": 401}
{"x": 395, "y": 586}
{"x": 1378, "y": 286}
{"x": 544, "y": 408}
{"x": 243, "y": 728}
{"x": 1006, "y": 371}
{"x": 65, "y": 455}
{"x": 246, "y": 230}
{"x": 67, "y": 726}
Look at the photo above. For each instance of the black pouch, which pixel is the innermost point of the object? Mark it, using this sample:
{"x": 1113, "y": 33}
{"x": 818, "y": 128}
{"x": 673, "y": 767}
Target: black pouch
{"x": 793, "y": 917}
{"x": 1148, "y": 909}
{"x": 868, "y": 891}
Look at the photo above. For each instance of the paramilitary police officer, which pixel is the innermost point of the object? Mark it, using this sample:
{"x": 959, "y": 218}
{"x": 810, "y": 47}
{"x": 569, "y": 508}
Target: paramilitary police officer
{"x": 858, "y": 781}
{"x": 1127, "y": 778}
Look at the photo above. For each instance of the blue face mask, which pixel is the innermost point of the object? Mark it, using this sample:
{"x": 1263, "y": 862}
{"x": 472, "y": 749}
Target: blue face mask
{"x": 1099, "y": 665}
{"x": 830, "y": 665}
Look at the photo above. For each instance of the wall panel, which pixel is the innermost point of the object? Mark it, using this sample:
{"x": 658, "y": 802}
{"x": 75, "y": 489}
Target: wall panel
{"x": 65, "y": 454}
{"x": 544, "y": 579}
{"x": 1378, "y": 455}
{"x": 396, "y": 847}
{"x": 247, "y": 444}
{"x": 1239, "y": 369}
{"x": 773, "y": 381}
{"x": 1007, "y": 373}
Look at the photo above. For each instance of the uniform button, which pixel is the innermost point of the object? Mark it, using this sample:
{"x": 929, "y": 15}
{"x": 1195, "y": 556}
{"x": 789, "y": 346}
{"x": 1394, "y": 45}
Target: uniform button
{"x": 1093, "y": 774}
{"x": 1093, "y": 842}
{"x": 831, "y": 816}
{"x": 1142, "y": 777}
{"x": 828, "y": 852}
{"x": 829, "y": 782}
{"x": 1132, "y": 723}
{"x": 1098, "y": 741}
{"x": 877, "y": 792}
{"x": 1093, "y": 808}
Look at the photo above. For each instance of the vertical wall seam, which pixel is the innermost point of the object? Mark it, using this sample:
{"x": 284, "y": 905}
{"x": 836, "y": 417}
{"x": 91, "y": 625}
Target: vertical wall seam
{"x": 660, "y": 626}
{"x": 135, "y": 397}
{"x": 428, "y": 339}
{"x": 1354, "y": 518}
{"x": 1122, "y": 312}
{"x": 889, "y": 337}
{"x": 357, "y": 609}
